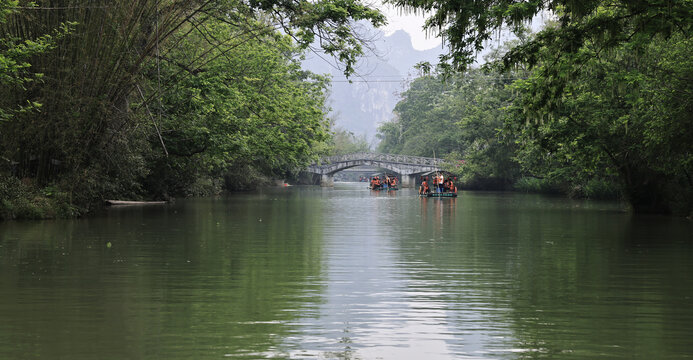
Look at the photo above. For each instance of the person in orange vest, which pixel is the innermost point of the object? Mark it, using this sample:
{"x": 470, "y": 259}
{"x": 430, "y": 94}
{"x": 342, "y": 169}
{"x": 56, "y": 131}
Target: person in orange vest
{"x": 434, "y": 181}
{"x": 377, "y": 182}
{"x": 451, "y": 186}
{"x": 394, "y": 182}
{"x": 424, "y": 189}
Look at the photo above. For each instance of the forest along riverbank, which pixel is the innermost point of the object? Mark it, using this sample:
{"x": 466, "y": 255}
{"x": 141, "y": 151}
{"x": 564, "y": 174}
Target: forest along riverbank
{"x": 92, "y": 109}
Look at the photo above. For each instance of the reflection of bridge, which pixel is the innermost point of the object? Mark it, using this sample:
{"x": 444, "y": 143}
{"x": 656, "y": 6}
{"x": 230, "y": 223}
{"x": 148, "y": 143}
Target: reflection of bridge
{"x": 408, "y": 167}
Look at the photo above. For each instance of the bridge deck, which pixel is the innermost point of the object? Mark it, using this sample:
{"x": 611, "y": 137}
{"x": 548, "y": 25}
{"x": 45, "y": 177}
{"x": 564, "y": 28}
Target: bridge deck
{"x": 391, "y": 158}
{"x": 401, "y": 164}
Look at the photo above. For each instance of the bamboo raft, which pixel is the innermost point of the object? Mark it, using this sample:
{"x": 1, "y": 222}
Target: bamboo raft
{"x": 440, "y": 195}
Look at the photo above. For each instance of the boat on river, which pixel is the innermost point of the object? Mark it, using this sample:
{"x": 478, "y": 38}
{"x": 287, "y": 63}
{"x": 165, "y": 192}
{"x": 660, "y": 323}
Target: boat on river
{"x": 378, "y": 188}
{"x": 440, "y": 195}
{"x": 384, "y": 183}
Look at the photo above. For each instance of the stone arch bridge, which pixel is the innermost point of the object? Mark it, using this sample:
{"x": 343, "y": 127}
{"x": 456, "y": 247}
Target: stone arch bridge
{"x": 408, "y": 167}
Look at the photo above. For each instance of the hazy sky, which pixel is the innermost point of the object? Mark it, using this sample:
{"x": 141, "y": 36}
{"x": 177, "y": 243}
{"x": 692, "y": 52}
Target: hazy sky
{"x": 410, "y": 23}
{"x": 413, "y": 24}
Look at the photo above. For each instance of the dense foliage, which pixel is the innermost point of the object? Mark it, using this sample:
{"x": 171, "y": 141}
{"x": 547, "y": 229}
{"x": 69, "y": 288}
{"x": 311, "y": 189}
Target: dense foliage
{"x": 151, "y": 98}
{"x": 622, "y": 127}
{"x": 346, "y": 142}
{"x": 15, "y": 53}
{"x": 607, "y": 100}
{"x": 468, "y": 25}
{"x": 626, "y": 116}
{"x": 458, "y": 119}
{"x": 250, "y": 110}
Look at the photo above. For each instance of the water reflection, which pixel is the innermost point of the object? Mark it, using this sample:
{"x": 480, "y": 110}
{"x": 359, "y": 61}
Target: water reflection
{"x": 441, "y": 211}
{"x": 346, "y": 273}
{"x": 196, "y": 280}
{"x": 527, "y": 281}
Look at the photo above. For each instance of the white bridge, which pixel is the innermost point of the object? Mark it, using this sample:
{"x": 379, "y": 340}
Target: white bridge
{"x": 408, "y": 167}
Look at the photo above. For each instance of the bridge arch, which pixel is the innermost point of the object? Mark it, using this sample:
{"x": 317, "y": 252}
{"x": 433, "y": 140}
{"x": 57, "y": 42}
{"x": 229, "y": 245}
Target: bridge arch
{"x": 407, "y": 166}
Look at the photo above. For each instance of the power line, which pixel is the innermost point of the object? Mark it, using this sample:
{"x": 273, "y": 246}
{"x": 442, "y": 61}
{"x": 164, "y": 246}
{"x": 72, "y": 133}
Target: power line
{"x": 368, "y": 81}
{"x": 376, "y": 80}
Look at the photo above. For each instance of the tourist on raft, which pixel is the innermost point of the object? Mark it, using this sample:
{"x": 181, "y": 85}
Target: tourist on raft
{"x": 450, "y": 186}
{"x": 424, "y": 189}
{"x": 440, "y": 185}
{"x": 376, "y": 184}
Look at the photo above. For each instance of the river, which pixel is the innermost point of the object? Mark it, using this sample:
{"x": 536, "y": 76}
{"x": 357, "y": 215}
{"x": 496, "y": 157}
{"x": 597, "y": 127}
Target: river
{"x": 343, "y": 273}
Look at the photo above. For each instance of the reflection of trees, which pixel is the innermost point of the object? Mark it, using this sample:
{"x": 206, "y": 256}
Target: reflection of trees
{"x": 608, "y": 284}
{"x": 552, "y": 278}
{"x": 201, "y": 280}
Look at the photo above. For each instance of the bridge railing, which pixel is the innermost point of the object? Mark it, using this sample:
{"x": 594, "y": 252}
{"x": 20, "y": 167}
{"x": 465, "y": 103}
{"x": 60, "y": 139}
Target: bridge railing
{"x": 404, "y": 159}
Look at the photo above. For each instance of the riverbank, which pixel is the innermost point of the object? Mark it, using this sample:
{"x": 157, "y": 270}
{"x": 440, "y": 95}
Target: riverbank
{"x": 24, "y": 200}
{"x": 593, "y": 189}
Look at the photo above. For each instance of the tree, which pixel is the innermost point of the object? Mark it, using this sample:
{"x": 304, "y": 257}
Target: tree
{"x": 15, "y": 54}
{"x": 627, "y": 116}
{"x": 607, "y": 92}
{"x": 345, "y": 142}
{"x": 459, "y": 119}
{"x": 412, "y": 132}
{"x": 99, "y": 108}
{"x": 466, "y": 26}
{"x": 252, "y": 108}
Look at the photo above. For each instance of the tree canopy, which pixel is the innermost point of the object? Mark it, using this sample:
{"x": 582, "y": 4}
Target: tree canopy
{"x": 157, "y": 98}
{"x": 458, "y": 119}
{"x": 468, "y": 25}
{"x": 603, "y": 97}
{"x": 627, "y": 115}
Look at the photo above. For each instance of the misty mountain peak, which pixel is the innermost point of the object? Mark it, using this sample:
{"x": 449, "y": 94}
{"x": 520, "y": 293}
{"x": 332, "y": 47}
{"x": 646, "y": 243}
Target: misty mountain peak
{"x": 360, "y": 106}
{"x": 400, "y": 40}
{"x": 399, "y": 52}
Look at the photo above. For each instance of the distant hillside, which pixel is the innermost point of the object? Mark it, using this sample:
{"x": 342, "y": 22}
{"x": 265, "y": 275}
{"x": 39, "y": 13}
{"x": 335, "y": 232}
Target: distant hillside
{"x": 360, "y": 106}
{"x": 402, "y": 56}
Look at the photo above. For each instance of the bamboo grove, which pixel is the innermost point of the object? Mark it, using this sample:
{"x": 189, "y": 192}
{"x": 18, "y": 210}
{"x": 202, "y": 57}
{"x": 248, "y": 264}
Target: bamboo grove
{"x": 159, "y": 98}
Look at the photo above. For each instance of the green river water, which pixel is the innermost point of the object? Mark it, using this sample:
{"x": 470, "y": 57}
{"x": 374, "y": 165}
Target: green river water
{"x": 344, "y": 273}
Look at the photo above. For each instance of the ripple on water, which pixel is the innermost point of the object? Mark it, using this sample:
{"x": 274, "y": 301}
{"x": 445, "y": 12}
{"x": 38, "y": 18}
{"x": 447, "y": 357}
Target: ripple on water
{"x": 347, "y": 274}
